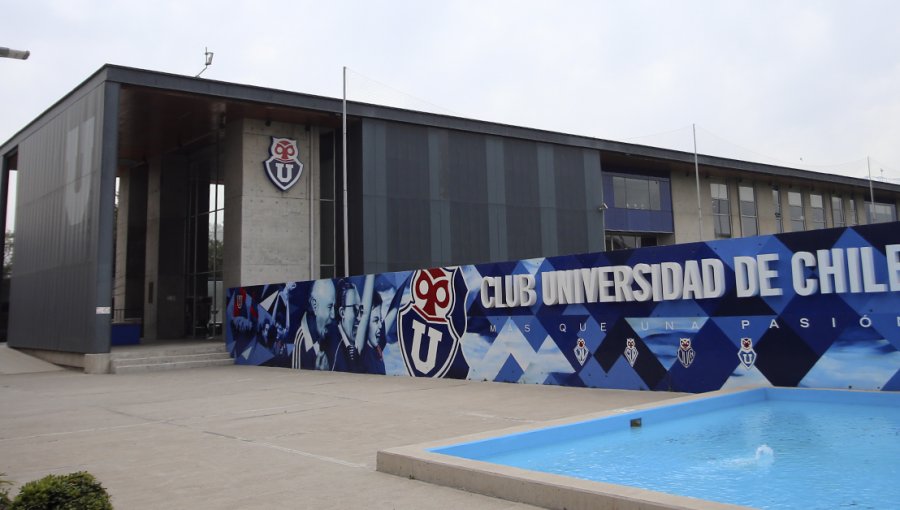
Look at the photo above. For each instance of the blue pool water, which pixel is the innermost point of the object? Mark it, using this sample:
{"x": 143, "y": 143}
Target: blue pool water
{"x": 766, "y": 448}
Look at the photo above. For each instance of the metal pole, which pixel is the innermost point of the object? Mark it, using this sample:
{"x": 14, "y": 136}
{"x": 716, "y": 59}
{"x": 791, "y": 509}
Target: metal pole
{"x": 344, "y": 148}
{"x": 871, "y": 193}
{"x": 697, "y": 175}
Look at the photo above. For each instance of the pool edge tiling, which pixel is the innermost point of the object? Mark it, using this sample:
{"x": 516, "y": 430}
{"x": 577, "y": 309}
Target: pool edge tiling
{"x": 545, "y": 490}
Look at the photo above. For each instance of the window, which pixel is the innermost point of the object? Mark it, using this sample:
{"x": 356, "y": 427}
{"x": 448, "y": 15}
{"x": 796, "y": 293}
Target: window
{"x": 837, "y": 211}
{"x": 776, "y": 199}
{"x": 881, "y": 213}
{"x": 629, "y": 241}
{"x": 749, "y": 226}
{"x": 327, "y": 213}
{"x": 795, "y": 209}
{"x": 636, "y": 193}
{"x": 816, "y": 211}
{"x": 721, "y": 209}
{"x": 852, "y": 218}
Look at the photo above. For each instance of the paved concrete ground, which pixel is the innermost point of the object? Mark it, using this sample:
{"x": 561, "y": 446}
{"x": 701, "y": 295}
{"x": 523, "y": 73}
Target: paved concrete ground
{"x": 253, "y": 437}
{"x": 15, "y": 362}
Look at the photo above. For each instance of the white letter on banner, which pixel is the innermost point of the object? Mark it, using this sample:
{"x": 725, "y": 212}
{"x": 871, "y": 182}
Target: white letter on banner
{"x": 832, "y": 277}
{"x": 892, "y": 252}
{"x": 590, "y": 278}
{"x": 655, "y": 283}
{"x": 713, "y": 278}
{"x": 622, "y": 282}
{"x": 605, "y": 285}
{"x": 693, "y": 283}
{"x": 644, "y": 291}
{"x": 767, "y": 274}
{"x": 800, "y": 260}
{"x": 510, "y": 292}
{"x": 565, "y": 287}
{"x": 527, "y": 295}
{"x": 548, "y": 286}
{"x": 672, "y": 280}
{"x": 486, "y": 300}
{"x": 853, "y": 270}
{"x": 870, "y": 283}
{"x": 745, "y": 278}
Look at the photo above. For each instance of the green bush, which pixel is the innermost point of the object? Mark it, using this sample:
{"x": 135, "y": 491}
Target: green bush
{"x": 74, "y": 491}
{"x": 5, "y": 502}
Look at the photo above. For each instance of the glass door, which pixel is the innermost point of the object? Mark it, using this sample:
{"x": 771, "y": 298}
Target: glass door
{"x": 205, "y": 296}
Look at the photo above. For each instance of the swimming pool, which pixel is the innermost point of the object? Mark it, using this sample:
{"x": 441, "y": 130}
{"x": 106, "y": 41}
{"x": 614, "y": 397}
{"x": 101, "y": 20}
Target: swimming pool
{"x": 765, "y": 448}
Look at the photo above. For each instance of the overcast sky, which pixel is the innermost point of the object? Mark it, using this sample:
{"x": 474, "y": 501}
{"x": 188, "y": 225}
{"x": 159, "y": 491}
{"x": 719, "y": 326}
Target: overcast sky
{"x": 811, "y": 84}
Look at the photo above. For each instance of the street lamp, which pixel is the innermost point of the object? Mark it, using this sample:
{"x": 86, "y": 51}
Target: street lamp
{"x": 11, "y": 53}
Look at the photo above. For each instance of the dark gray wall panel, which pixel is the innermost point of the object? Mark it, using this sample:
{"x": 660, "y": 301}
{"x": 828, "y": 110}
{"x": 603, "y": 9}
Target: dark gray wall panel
{"x": 61, "y": 281}
{"x": 594, "y": 199}
{"x": 455, "y": 197}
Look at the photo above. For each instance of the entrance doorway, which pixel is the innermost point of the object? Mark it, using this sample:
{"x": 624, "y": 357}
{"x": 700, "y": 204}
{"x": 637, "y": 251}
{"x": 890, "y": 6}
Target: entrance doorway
{"x": 204, "y": 242}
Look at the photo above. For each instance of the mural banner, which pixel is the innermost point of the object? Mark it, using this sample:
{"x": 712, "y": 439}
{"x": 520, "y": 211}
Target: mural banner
{"x": 814, "y": 309}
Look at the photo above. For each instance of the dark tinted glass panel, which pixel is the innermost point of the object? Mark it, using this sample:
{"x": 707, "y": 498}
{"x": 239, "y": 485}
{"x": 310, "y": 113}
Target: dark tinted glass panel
{"x": 523, "y": 227}
{"x": 654, "y": 195}
{"x": 469, "y": 233}
{"x": 619, "y": 192}
{"x": 571, "y": 229}
{"x": 465, "y": 177}
{"x": 568, "y": 163}
{"x": 520, "y": 163}
{"x": 638, "y": 193}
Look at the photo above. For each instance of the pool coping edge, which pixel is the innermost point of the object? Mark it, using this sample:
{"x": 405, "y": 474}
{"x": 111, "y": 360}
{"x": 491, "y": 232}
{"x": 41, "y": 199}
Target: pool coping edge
{"x": 540, "y": 489}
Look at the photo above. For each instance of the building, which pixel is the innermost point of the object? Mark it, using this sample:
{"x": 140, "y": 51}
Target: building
{"x": 197, "y": 212}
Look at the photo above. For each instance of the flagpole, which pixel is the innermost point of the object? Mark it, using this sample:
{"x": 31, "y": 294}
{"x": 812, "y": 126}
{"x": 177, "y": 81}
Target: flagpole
{"x": 697, "y": 176}
{"x": 871, "y": 193}
{"x": 344, "y": 158}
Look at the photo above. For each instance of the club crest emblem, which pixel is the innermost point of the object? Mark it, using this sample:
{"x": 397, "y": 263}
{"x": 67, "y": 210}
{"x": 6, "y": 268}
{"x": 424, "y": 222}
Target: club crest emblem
{"x": 432, "y": 323}
{"x": 581, "y": 351}
{"x": 631, "y": 352}
{"x": 747, "y": 355}
{"x": 686, "y": 353}
{"x": 283, "y": 168}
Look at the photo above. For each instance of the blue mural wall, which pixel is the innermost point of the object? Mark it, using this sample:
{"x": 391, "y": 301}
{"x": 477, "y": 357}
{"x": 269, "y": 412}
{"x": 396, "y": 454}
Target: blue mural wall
{"x": 812, "y": 309}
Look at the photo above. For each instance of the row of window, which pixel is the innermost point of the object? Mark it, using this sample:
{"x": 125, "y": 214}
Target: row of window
{"x": 636, "y": 193}
{"x": 840, "y": 216}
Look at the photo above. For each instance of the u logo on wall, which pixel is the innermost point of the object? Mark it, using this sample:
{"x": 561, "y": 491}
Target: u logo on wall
{"x": 432, "y": 323}
{"x": 283, "y": 166}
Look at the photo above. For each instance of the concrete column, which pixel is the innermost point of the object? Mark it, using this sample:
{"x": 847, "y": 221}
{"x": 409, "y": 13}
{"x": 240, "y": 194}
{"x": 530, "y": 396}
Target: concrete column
{"x": 151, "y": 253}
{"x": 684, "y": 206}
{"x": 268, "y": 234}
{"x": 121, "y": 256}
{"x": 765, "y": 209}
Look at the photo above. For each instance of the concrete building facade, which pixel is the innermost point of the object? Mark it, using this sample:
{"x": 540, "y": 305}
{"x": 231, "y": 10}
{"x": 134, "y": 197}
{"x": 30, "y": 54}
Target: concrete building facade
{"x": 197, "y": 213}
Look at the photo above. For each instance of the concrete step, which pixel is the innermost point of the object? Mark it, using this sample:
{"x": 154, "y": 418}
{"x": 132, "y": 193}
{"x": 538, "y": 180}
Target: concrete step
{"x": 150, "y": 359}
{"x": 173, "y": 365}
{"x": 168, "y": 358}
{"x": 167, "y": 350}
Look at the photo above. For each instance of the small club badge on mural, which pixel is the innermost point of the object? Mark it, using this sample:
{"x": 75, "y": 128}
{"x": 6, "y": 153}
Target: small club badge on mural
{"x": 686, "y": 353}
{"x": 631, "y": 352}
{"x": 747, "y": 355}
{"x": 283, "y": 168}
{"x": 581, "y": 351}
